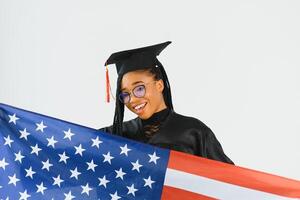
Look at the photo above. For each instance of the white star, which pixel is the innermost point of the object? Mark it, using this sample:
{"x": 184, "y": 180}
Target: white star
{"x": 24, "y": 134}
{"x": 115, "y": 196}
{"x": 125, "y": 150}
{"x": 8, "y": 141}
{"x": 136, "y": 166}
{"x": 86, "y": 189}
{"x": 57, "y": 180}
{"x": 103, "y": 181}
{"x": 41, "y": 188}
{"x": 40, "y": 126}
{"x": 69, "y": 196}
{"x": 96, "y": 142}
{"x": 120, "y": 173}
{"x": 51, "y": 142}
{"x": 148, "y": 182}
{"x": 29, "y": 172}
{"x": 35, "y": 149}
{"x": 153, "y": 157}
{"x": 79, "y": 150}
{"x": 3, "y": 163}
{"x": 75, "y": 173}
{"x": 19, "y": 157}
{"x": 68, "y": 134}
{"x": 91, "y": 165}
{"x": 13, "y": 118}
{"x": 63, "y": 157}
{"x": 46, "y": 165}
{"x": 24, "y": 195}
{"x": 131, "y": 190}
{"x": 107, "y": 158}
{"x": 13, "y": 180}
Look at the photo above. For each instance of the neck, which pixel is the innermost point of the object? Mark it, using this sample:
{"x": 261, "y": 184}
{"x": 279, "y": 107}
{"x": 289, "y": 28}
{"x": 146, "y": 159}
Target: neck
{"x": 157, "y": 117}
{"x": 162, "y": 104}
{"x": 162, "y": 107}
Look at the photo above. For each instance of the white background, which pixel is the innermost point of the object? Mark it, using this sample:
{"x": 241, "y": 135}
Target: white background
{"x": 232, "y": 64}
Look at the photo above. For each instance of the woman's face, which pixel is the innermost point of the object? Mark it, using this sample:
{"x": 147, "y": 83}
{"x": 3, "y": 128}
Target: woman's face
{"x": 153, "y": 100}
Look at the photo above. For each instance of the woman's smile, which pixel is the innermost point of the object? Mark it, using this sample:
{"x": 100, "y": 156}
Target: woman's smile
{"x": 139, "y": 108}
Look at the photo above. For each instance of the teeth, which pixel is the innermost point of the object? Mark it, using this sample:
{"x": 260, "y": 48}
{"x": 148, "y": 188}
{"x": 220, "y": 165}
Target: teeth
{"x": 139, "y": 106}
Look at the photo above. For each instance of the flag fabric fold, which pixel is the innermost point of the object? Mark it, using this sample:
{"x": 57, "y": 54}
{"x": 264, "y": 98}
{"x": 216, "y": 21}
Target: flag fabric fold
{"x": 46, "y": 158}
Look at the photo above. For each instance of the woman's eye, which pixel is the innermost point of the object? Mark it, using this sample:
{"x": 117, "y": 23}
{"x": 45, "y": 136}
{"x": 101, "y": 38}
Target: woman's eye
{"x": 124, "y": 95}
{"x": 140, "y": 87}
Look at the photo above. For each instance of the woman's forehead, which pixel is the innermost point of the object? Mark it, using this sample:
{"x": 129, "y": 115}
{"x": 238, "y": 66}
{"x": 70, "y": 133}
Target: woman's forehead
{"x": 135, "y": 77}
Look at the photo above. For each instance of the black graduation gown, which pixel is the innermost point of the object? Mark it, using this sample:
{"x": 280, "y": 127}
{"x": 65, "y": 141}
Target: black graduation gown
{"x": 180, "y": 133}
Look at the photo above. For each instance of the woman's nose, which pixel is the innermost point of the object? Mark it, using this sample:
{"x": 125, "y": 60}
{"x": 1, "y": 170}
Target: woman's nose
{"x": 136, "y": 100}
{"x": 133, "y": 99}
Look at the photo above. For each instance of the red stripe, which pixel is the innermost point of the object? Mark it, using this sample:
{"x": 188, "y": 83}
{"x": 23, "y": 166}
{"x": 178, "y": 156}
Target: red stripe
{"x": 171, "y": 193}
{"x": 234, "y": 175}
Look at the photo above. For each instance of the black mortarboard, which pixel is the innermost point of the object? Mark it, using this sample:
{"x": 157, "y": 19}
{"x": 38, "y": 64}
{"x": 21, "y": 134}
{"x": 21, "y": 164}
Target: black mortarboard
{"x": 135, "y": 59}
{"x": 132, "y": 60}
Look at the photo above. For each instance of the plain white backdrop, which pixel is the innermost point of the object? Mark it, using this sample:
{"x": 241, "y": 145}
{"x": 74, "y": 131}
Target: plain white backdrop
{"x": 232, "y": 64}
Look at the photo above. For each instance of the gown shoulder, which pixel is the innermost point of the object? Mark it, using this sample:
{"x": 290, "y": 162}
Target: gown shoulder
{"x": 190, "y": 135}
{"x": 131, "y": 128}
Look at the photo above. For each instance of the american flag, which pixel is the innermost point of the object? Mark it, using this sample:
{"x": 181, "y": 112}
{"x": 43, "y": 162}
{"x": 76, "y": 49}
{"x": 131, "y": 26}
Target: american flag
{"x": 46, "y": 158}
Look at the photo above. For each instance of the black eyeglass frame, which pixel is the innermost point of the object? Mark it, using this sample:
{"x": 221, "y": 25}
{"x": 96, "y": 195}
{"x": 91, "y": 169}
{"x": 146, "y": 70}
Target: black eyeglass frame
{"x": 132, "y": 92}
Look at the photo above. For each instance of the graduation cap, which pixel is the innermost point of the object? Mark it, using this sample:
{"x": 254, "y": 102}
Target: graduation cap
{"x": 132, "y": 60}
{"x": 135, "y": 59}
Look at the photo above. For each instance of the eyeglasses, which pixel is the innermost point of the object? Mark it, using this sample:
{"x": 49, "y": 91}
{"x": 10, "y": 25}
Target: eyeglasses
{"x": 138, "y": 91}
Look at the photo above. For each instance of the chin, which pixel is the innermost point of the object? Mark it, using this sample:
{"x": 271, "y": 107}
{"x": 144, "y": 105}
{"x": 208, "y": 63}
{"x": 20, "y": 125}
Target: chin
{"x": 145, "y": 116}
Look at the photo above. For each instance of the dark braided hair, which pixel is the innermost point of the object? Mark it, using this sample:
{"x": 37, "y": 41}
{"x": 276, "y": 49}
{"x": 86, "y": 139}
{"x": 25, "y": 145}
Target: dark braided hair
{"x": 167, "y": 90}
{"x": 159, "y": 74}
{"x": 119, "y": 110}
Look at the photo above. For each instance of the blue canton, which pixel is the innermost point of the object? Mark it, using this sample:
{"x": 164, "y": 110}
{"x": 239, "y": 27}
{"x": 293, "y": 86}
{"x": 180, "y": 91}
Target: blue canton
{"x": 46, "y": 158}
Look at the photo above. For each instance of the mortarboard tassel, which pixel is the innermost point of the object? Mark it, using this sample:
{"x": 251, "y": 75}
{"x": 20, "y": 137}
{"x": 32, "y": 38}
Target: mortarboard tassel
{"x": 107, "y": 85}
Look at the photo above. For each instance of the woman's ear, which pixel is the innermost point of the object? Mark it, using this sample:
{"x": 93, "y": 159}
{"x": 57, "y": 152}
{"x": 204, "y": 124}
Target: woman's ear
{"x": 160, "y": 85}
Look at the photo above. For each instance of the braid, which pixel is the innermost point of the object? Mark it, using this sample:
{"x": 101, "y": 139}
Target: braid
{"x": 167, "y": 90}
{"x": 119, "y": 112}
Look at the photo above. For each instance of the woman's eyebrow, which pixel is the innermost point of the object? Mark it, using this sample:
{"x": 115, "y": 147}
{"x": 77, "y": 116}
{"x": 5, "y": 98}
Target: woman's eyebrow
{"x": 136, "y": 82}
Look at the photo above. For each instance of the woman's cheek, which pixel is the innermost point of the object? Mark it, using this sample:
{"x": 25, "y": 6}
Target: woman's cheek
{"x": 129, "y": 108}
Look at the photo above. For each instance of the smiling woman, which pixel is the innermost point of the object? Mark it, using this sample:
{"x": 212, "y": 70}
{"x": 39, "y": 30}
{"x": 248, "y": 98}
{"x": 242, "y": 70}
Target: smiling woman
{"x": 143, "y": 87}
{"x": 146, "y": 97}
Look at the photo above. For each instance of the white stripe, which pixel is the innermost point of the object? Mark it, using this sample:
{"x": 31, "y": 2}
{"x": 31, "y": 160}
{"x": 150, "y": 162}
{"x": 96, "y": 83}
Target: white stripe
{"x": 213, "y": 188}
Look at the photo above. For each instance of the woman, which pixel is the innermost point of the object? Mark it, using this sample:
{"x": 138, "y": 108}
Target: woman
{"x": 143, "y": 87}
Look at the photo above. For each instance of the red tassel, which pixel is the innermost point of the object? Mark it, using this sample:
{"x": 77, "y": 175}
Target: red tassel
{"x": 107, "y": 86}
